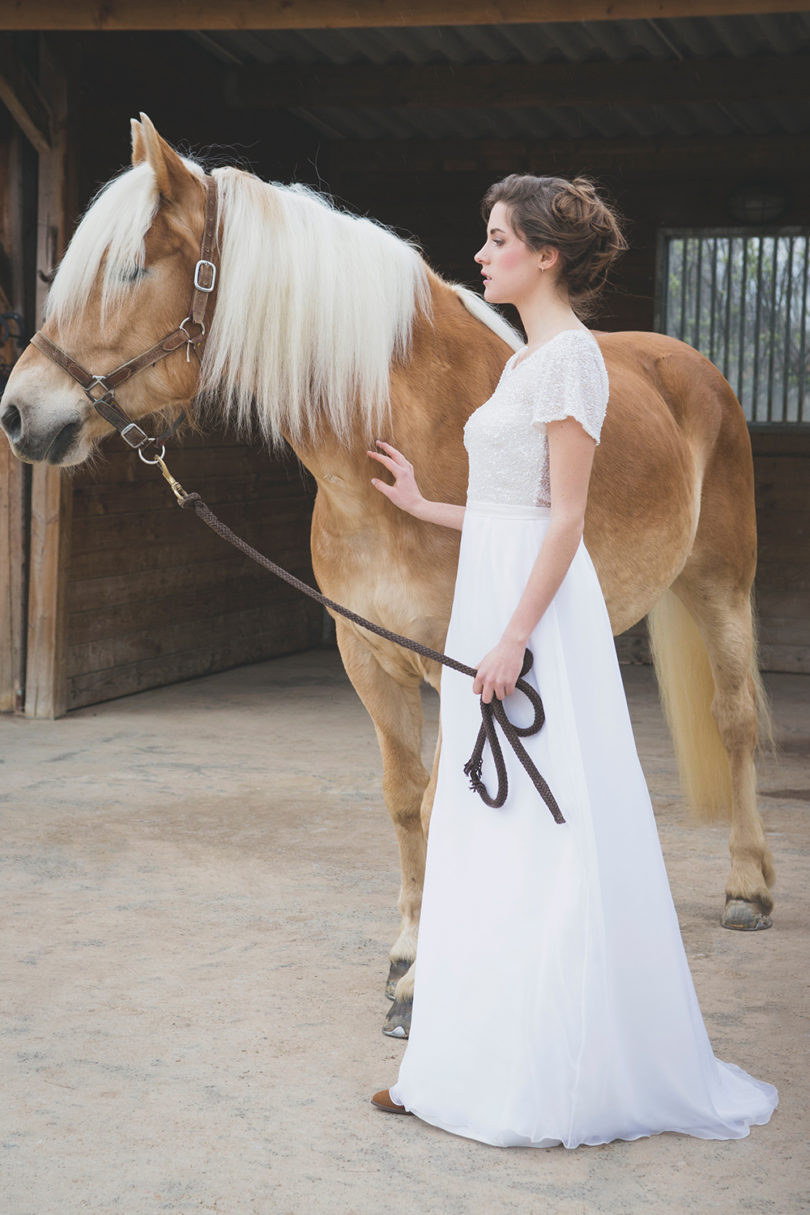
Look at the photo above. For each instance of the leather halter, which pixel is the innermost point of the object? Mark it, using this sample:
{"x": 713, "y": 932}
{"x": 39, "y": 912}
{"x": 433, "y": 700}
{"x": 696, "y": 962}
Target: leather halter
{"x": 205, "y": 277}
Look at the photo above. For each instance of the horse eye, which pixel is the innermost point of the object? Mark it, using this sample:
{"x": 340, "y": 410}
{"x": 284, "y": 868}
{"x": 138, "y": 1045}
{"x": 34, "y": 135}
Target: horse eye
{"x": 131, "y": 274}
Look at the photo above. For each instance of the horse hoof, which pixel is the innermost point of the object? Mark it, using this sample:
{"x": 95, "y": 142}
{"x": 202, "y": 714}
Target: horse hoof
{"x": 397, "y": 970}
{"x": 744, "y": 916}
{"x": 398, "y": 1022}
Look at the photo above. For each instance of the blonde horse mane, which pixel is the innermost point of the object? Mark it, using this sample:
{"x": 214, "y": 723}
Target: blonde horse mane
{"x": 313, "y": 303}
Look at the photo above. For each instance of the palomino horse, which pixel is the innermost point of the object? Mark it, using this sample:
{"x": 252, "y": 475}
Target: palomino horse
{"x": 329, "y": 330}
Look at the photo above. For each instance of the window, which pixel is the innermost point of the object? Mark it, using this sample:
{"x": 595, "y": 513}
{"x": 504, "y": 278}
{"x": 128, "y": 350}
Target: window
{"x": 741, "y": 298}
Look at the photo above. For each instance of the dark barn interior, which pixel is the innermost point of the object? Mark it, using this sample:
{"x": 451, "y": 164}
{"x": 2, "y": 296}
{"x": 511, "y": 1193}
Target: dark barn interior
{"x": 693, "y": 123}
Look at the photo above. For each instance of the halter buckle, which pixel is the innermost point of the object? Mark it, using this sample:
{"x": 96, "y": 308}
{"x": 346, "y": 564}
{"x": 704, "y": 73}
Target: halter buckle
{"x": 136, "y": 439}
{"x": 204, "y": 265}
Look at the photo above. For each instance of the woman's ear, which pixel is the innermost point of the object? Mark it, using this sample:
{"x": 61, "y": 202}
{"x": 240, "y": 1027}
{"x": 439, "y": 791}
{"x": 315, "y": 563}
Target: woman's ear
{"x": 547, "y": 257}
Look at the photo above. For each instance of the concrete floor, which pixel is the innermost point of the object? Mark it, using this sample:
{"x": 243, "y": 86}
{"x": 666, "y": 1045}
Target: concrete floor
{"x": 199, "y": 893}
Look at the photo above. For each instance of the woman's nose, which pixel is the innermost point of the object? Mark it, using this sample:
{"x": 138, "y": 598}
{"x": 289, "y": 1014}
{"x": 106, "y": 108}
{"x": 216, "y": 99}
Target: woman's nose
{"x": 479, "y": 257}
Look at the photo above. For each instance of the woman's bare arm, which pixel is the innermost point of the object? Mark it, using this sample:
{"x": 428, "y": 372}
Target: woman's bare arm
{"x": 405, "y": 493}
{"x": 571, "y": 452}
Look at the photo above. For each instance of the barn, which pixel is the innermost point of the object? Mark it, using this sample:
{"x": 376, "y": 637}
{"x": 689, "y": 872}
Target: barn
{"x": 693, "y": 114}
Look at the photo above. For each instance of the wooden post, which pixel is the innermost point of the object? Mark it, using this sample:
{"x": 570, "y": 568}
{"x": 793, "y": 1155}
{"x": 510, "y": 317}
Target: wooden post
{"x": 13, "y": 474}
{"x": 12, "y": 522}
{"x": 12, "y": 562}
{"x": 51, "y": 490}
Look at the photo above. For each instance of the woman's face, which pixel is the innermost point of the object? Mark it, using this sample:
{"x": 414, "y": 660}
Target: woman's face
{"x": 510, "y": 269}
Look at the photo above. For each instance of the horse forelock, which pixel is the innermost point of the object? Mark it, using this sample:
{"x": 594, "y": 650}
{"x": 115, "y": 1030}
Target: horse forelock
{"x": 313, "y": 305}
{"x": 108, "y": 246}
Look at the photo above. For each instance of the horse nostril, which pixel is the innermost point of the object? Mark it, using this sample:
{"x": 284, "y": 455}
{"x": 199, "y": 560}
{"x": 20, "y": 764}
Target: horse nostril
{"x": 12, "y": 422}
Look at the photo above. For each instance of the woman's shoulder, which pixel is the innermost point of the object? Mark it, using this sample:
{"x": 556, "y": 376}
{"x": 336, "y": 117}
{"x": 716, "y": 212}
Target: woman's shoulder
{"x": 572, "y": 355}
{"x": 571, "y": 382}
{"x": 566, "y": 347}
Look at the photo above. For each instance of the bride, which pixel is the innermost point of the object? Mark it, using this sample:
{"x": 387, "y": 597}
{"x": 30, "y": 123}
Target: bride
{"x": 553, "y": 1001}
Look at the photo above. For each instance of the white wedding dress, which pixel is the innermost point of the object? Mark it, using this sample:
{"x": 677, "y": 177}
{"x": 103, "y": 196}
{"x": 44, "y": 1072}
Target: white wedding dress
{"x": 553, "y": 1000}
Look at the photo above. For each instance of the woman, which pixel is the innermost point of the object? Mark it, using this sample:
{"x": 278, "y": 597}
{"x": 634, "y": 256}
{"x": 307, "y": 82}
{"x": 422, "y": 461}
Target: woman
{"x": 553, "y": 1001}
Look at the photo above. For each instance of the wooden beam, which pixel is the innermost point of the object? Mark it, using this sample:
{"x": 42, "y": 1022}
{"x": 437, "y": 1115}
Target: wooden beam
{"x": 666, "y": 157}
{"x": 349, "y": 14}
{"x": 548, "y": 85}
{"x": 51, "y": 488}
{"x": 23, "y": 99}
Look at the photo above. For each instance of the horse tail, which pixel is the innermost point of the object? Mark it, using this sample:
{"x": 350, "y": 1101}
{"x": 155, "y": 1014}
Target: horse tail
{"x": 686, "y": 687}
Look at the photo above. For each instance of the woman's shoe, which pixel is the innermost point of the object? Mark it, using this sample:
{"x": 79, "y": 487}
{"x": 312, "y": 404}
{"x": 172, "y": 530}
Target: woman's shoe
{"x": 383, "y": 1101}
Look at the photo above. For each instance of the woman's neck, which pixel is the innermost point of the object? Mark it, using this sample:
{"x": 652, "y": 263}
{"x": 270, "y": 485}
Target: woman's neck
{"x": 543, "y": 318}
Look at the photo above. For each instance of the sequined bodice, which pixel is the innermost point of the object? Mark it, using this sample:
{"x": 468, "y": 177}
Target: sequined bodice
{"x": 506, "y": 438}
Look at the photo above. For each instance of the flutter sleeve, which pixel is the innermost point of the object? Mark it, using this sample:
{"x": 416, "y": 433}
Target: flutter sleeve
{"x": 573, "y": 384}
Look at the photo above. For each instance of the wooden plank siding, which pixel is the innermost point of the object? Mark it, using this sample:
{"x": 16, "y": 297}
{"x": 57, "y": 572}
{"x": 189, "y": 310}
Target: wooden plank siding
{"x": 782, "y": 472}
{"x": 154, "y": 596}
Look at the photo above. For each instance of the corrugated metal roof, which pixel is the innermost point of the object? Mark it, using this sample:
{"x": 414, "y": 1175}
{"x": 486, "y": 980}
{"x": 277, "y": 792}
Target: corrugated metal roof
{"x": 672, "y": 40}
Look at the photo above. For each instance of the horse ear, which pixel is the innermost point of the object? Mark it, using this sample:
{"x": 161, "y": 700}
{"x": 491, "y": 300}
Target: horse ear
{"x": 138, "y": 145}
{"x": 171, "y": 174}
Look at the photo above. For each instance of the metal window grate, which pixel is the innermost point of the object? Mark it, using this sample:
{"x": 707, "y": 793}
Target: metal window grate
{"x": 741, "y": 298}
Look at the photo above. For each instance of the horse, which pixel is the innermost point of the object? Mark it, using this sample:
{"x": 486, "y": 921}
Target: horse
{"x": 329, "y": 330}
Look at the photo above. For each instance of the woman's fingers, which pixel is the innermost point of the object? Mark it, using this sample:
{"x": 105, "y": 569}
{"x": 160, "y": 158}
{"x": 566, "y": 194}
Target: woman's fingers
{"x": 386, "y": 461}
{"x": 488, "y": 685}
{"x": 393, "y": 454}
{"x": 383, "y": 487}
{"x": 388, "y": 447}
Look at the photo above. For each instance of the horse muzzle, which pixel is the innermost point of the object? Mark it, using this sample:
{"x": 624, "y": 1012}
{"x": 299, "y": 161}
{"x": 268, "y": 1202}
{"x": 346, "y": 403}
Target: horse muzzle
{"x": 55, "y": 441}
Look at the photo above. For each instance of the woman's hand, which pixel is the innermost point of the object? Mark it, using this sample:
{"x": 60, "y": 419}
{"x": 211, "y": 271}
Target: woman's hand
{"x": 499, "y": 671}
{"x": 404, "y": 493}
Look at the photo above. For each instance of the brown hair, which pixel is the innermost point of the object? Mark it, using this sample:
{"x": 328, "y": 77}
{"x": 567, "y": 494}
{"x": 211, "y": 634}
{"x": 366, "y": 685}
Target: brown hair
{"x": 573, "y": 218}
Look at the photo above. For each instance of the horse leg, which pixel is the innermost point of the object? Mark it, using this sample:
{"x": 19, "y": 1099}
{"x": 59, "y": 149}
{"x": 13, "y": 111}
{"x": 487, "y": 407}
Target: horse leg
{"x": 400, "y": 991}
{"x": 712, "y": 627}
{"x": 393, "y": 702}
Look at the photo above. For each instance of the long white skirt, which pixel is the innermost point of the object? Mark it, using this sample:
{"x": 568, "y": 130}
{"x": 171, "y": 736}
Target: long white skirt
{"x": 553, "y": 1000}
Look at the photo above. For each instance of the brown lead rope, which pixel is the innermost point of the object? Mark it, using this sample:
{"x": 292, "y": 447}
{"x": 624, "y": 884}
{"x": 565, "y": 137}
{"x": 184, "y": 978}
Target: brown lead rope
{"x": 490, "y": 713}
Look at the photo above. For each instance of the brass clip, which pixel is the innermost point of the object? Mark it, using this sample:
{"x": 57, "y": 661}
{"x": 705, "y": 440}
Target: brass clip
{"x": 175, "y": 486}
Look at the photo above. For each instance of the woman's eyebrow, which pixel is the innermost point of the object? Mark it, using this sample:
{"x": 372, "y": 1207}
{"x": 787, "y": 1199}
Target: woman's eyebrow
{"x": 494, "y": 230}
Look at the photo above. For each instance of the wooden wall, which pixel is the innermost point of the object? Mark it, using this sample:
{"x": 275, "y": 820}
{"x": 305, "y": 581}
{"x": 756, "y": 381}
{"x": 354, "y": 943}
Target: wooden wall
{"x": 155, "y": 597}
{"x": 782, "y": 471}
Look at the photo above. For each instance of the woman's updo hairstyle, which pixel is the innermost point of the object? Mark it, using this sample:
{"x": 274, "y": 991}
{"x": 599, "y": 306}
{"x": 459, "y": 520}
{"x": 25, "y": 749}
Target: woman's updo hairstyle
{"x": 572, "y": 218}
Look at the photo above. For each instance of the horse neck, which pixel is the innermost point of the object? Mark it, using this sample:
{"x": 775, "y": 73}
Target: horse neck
{"x": 453, "y": 366}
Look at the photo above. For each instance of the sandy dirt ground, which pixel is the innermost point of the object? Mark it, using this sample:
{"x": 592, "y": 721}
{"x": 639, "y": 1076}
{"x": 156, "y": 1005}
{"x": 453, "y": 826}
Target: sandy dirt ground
{"x": 198, "y": 899}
